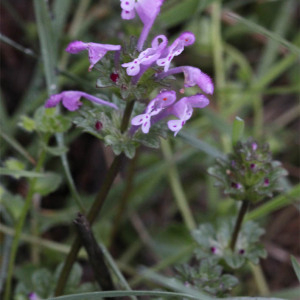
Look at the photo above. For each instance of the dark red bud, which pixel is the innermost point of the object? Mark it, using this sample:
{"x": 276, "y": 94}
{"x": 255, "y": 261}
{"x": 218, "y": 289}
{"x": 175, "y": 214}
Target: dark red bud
{"x": 114, "y": 77}
{"x": 98, "y": 125}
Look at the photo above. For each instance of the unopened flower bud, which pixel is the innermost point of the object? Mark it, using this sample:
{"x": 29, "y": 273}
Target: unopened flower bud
{"x": 114, "y": 77}
{"x": 98, "y": 125}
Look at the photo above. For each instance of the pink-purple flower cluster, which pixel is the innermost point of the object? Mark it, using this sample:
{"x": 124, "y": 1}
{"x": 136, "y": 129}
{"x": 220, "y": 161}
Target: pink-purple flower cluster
{"x": 160, "y": 54}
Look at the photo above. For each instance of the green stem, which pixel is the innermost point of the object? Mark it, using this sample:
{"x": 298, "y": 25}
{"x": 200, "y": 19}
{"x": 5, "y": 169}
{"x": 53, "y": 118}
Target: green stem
{"x": 20, "y": 224}
{"x": 124, "y": 199}
{"x": 96, "y": 206}
{"x": 177, "y": 188}
{"x": 238, "y": 224}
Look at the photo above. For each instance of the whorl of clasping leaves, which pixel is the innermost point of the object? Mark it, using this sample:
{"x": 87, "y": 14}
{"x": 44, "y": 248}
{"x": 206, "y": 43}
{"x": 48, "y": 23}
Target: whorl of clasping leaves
{"x": 248, "y": 173}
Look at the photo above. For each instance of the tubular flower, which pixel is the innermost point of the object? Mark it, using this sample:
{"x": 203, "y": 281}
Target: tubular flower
{"x": 185, "y": 39}
{"x": 192, "y": 76}
{"x": 71, "y": 100}
{"x": 96, "y": 51}
{"x": 147, "y": 11}
{"x": 148, "y": 56}
{"x": 183, "y": 110}
{"x": 156, "y": 106}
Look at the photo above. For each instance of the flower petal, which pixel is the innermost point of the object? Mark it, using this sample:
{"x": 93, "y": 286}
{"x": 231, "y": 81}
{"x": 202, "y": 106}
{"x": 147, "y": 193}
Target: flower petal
{"x": 53, "y": 100}
{"x": 199, "y": 101}
{"x": 139, "y": 119}
{"x": 71, "y": 100}
{"x": 76, "y": 47}
{"x": 128, "y": 14}
{"x": 194, "y": 76}
{"x": 175, "y": 125}
{"x": 133, "y": 67}
{"x": 146, "y": 126}
{"x": 127, "y": 4}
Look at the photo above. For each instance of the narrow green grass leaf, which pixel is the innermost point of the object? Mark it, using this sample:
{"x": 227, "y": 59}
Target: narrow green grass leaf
{"x": 115, "y": 294}
{"x": 175, "y": 285}
{"x": 176, "y": 186}
{"x": 262, "y": 30}
{"x": 237, "y": 130}
{"x": 61, "y": 10}
{"x": 296, "y": 266}
{"x": 17, "y": 146}
{"x": 17, "y": 46}
{"x": 112, "y": 264}
{"x": 281, "y": 24}
{"x": 21, "y": 173}
{"x": 290, "y": 293}
{"x": 275, "y": 204}
{"x": 182, "y": 11}
{"x": 47, "y": 43}
{"x": 199, "y": 144}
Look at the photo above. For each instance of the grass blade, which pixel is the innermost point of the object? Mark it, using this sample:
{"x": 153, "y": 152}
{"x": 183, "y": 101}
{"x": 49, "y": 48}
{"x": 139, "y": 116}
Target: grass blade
{"x": 262, "y": 30}
{"x": 199, "y": 144}
{"x": 274, "y": 204}
{"x": 237, "y": 130}
{"x": 296, "y": 266}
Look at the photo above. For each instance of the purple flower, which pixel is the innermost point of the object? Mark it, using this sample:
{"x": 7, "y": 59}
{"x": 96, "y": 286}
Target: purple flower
{"x": 185, "y": 39}
{"x": 71, "y": 100}
{"x": 147, "y": 11}
{"x": 96, "y": 51}
{"x": 127, "y": 9}
{"x": 192, "y": 76}
{"x": 148, "y": 56}
{"x": 157, "y": 105}
{"x": 33, "y": 296}
{"x": 254, "y": 146}
{"x": 183, "y": 110}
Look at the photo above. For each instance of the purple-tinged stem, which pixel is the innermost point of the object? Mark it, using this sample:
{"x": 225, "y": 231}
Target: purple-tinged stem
{"x": 238, "y": 224}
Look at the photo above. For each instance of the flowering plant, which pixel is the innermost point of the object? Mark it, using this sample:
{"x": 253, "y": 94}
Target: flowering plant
{"x": 158, "y": 56}
{"x": 158, "y": 208}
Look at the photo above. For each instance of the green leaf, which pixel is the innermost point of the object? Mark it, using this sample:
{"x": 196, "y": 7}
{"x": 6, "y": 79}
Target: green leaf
{"x": 47, "y": 184}
{"x": 27, "y": 123}
{"x": 296, "y": 266}
{"x": 237, "y": 130}
{"x": 129, "y": 150}
{"x": 75, "y": 275}
{"x": 42, "y": 282}
{"x": 20, "y": 173}
{"x": 47, "y": 120}
{"x": 275, "y": 204}
{"x": 14, "y": 164}
{"x": 56, "y": 150}
{"x": 12, "y": 203}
